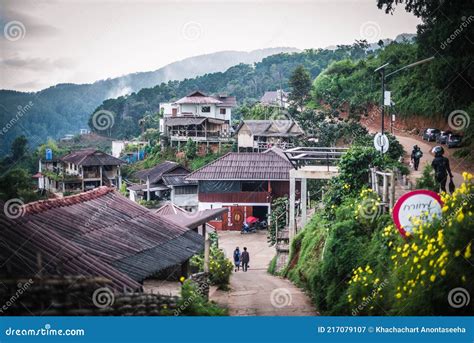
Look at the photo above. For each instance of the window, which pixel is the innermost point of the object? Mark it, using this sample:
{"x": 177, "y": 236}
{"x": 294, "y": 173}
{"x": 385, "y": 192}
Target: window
{"x": 222, "y": 111}
{"x": 185, "y": 190}
{"x": 206, "y": 109}
{"x": 254, "y": 186}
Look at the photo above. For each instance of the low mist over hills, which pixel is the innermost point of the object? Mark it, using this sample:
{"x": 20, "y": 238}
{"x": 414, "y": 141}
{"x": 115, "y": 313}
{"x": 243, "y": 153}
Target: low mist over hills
{"x": 65, "y": 108}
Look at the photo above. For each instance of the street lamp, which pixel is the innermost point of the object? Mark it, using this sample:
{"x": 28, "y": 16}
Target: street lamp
{"x": 383, "y": 76}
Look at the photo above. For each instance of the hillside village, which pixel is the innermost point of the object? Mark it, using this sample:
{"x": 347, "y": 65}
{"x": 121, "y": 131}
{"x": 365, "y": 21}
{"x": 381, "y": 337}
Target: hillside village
{"x": 141, "y": 212}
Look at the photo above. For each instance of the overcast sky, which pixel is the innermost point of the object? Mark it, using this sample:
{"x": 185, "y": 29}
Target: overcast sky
{"x": 48, "y": 42}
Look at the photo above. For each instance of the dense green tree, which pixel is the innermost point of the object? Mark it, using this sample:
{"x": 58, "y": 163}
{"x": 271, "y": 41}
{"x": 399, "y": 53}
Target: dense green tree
{"x": 19, "y": 148}
{"x": 300, "y": 85}
{"x": 190, "y": 149}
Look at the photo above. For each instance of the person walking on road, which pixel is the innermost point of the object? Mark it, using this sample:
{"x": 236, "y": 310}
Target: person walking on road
{"x": 237, "y": 259}
{"x": 441, "y": 168}
{"x": 245, "y": 257}
{"x": 416, "y": 155}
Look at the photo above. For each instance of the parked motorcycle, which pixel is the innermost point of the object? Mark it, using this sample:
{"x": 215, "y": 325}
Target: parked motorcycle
{"x": 246, "y": 228}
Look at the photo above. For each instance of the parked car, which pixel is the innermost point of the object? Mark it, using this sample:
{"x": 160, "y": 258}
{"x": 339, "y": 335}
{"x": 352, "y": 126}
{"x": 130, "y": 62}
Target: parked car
{"x": 430, "y": 134}
{"x": 443, "y": 137}
{"x": 454, "y": 141}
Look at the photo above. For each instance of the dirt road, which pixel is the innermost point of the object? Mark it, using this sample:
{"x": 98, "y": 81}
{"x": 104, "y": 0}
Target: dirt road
{"x": 255, "y": 292}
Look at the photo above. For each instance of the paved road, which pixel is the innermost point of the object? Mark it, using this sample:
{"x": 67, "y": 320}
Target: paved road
{"x": 408, "y": 142}
{"x": 255, "y": 292}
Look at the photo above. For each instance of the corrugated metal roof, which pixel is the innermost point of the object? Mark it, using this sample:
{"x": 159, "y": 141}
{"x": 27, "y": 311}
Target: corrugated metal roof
{"x": 115, "y": 230}
{"x": 194, "y": 219}
{"x": 269, "y": 165}
{"x": 168, "y": 209}
{"x": 275, "y": 128}
{"x": 31, "y": 249}
{"x": 200, "y": 98}
{"x": 155, "y": 174}
{"x": 177, "y": 180}
{"x": 91, "y": 157}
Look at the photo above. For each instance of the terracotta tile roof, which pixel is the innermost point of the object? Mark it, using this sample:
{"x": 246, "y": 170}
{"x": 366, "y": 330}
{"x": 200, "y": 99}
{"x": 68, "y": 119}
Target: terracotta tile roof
{"x": 115, "y": 230}
{"x": 91, "y": 157}
{"x": 269, "y": 165}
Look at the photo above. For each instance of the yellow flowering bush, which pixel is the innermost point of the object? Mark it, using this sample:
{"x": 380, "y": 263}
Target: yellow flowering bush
{"x": 423, "y": 268}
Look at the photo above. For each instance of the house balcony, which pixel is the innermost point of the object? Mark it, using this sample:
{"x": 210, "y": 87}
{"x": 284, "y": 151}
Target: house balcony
{"x": 236, "y": 197}
{"x": 264, "y": 145}
{"x": 200, "y": 137}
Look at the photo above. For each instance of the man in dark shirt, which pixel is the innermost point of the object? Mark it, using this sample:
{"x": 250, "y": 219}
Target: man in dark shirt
{"x": 416, "y": 155}
{"x": 245, "y": 257}
{"x": 441, "y": 167}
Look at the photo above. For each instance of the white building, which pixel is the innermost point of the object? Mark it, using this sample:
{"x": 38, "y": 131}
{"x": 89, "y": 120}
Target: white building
{"x": 202, "y": 118}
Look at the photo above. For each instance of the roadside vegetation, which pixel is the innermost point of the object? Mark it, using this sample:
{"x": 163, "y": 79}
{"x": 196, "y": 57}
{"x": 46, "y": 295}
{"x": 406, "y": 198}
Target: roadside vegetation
{"x": 352, "y": 260}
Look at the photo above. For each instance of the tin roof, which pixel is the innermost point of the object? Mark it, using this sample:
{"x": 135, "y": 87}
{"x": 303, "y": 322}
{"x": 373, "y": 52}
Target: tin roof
{"x": 91, "y": 157}
{"x": 116, "y": 231}
{"x": 31, "y": 249}
{"x": 200, "y": 98}
{"x": 268, "y": 165}
{"x": 156, "y": 173}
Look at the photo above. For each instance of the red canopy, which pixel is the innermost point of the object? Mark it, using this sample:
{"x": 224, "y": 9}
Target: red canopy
{"x": 251, "y": 220}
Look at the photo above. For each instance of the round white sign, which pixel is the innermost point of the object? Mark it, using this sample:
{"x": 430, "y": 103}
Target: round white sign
{"x": 422, "y": 204}
{"x": 381, "y": 142}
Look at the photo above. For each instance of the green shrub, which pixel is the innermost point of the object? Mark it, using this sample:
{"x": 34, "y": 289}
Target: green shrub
{"x": 427, "y": 180}
{"x": 220, "y": 267}
{"x": 193, "y": 303}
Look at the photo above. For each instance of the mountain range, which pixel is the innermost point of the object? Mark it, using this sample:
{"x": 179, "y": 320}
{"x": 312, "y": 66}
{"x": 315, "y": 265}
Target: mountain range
{"x": 65, "y": 108}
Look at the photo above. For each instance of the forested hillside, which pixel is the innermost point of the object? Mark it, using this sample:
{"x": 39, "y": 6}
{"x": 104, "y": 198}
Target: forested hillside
{"x": 246, "y": 82}
{"x": 65, "y": 108}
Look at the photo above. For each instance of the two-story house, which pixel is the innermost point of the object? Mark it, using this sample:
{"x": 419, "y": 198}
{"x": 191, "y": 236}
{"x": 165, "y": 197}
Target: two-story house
{"x": 79, "y": 171}
{"x": 204, "y": 119}
{"x": 165, "y": 182}
{"x": 260, "y": 135}
{"x": 244, "y": 183}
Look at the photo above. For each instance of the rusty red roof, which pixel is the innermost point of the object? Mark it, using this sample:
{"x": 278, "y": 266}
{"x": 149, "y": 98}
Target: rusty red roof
{"x": 29, "y": 250}
{"x": 268, "y": 165}
{"x": 115, "y": 231}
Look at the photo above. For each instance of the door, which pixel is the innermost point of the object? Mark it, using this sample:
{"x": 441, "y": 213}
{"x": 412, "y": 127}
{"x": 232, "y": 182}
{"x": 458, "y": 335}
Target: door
{"x": 234, "y": 218}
